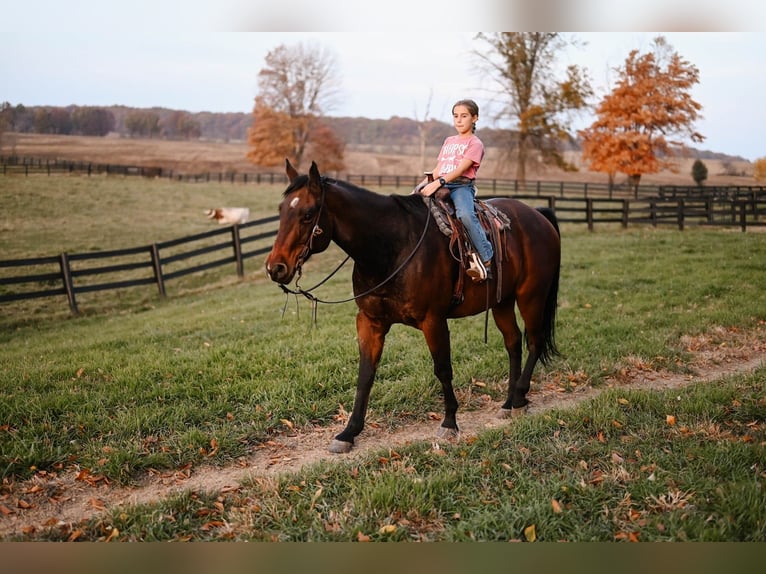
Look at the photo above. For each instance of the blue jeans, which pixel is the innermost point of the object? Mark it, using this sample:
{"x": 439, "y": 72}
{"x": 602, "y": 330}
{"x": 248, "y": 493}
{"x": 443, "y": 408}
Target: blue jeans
{"x": 462, "y": 197}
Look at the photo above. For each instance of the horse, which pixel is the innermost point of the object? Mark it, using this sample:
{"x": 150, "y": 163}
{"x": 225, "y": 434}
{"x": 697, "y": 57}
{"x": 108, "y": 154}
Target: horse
{"x": 404, "y": 273}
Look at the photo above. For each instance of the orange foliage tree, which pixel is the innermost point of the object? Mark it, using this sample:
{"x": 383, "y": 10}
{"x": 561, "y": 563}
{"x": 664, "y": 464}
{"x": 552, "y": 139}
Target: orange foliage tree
{"x": 759, "y": 169}
{"x": 296, "y": 89}
{"x": 649, "y": 104}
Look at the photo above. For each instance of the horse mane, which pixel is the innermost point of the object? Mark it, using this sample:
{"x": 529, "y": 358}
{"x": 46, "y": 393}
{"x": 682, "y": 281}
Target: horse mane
{"x": 412, "y": 203}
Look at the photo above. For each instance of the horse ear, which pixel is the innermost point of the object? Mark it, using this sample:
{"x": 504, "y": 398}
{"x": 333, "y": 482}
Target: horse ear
{"x": 290, "y": 170}
{"x": 315, "y": 180}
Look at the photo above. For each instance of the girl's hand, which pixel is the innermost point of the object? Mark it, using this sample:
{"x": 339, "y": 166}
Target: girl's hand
{"x": 430, "y": 188}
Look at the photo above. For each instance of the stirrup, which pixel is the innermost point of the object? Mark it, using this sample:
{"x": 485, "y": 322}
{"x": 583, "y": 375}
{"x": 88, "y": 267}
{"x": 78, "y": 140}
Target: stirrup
{"x": 476, "y": 271}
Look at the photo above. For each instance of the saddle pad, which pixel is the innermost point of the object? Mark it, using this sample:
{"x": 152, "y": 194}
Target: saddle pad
{"x": 442, "y": 211}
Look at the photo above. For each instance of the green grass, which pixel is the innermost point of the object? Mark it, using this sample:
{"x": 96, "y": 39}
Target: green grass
{"x": 609, "y": 469}
{"x": 207, "y": 374}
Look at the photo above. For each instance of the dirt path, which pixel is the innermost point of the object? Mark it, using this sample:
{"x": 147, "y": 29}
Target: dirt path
{"x": 70, "y": 497}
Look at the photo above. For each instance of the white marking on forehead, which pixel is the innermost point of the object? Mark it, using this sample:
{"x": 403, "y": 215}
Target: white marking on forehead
{"x": 294, "y": 202}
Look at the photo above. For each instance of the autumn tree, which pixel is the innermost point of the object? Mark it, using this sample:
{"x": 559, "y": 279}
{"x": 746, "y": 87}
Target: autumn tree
{"x": 649, "y": 104}
{"x": 297, "y": 87}
{"x": 759, "y": 169}
{"x": 539, "y": 101}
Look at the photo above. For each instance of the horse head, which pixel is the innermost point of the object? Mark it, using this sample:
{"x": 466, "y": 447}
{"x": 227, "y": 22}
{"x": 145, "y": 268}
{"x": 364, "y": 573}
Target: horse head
{"x": 303, "y": 225}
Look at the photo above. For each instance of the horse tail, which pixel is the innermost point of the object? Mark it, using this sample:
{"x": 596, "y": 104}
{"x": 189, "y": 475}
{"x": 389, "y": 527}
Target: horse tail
{"x": 549, "y": 349}
{"x": 550, "y": 215}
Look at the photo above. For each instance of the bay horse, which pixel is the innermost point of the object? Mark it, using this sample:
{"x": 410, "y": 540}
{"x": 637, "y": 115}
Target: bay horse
{"x": 404, "y": 273}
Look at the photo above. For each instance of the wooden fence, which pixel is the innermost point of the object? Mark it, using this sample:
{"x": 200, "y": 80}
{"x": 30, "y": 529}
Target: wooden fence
{"x": 155, "y": 264}
{"x": 749, "y": 211}
{"x": 490, "y": 187}
{"x": 158, "y": 263}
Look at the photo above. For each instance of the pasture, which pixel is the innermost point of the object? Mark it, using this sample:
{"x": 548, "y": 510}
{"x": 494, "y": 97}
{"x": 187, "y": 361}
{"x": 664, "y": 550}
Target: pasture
{"x": 139, "y": 385}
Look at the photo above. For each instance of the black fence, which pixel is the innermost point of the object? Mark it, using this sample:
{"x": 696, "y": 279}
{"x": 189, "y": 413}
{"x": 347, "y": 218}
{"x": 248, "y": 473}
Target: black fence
{"x": 746, "y": 212}
{"x": 493, "y": 187}
{"x": 155, "y": 264}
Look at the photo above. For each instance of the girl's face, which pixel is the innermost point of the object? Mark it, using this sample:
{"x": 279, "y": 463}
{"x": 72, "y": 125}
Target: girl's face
{"x": 463, "y": 120}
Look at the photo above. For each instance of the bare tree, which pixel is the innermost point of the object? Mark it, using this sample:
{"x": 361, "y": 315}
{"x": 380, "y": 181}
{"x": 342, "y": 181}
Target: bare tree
{"x": 422, "y": 131}
{"x": 537, "y": 102}
{"x": 296, "y": 88}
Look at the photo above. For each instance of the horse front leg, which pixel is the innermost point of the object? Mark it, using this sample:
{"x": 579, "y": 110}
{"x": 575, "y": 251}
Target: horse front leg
{"x": 371, "y": 337}
{"x": 438, "y": 340}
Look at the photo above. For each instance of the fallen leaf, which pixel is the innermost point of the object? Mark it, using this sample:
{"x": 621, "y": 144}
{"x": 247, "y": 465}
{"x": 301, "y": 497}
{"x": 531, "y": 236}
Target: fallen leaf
{"x": 287, "y": 423}
{"x": 530, "y": 534}
{"x": 362, "y": 537}
{"x": 5, "y": 510}
{"x": 556, "y": 505}
{"x": 112, "y": 535}
{"x": 80, "y": 371}
{"x": 387, "y": 529}
{"x": 671, "y": 420}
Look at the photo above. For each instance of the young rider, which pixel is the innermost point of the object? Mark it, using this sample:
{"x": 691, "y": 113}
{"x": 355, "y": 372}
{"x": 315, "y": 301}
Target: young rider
{"x": 456, "y": 167}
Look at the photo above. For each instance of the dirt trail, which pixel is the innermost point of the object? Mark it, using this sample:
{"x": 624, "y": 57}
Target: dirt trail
{"x": 70, "y": 497}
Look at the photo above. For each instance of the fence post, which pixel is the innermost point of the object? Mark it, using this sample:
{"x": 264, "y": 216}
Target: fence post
{"x": 625, "y": 211}
{"x": 157, "y": 265}
{"x": 743, "y": 215}
{"x": 589, "y": 212}
{"x": 66, "y": 276}
{"x": 237, "y": 244}
{"x": 680, "y": 214}
{"x": 653, "y": 212}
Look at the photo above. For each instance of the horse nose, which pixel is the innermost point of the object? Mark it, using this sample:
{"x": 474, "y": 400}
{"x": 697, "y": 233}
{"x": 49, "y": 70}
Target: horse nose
{"x": 278, "y": 272}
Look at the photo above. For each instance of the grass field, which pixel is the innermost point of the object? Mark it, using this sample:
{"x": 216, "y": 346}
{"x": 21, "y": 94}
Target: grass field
{"x": 208, "y": 374}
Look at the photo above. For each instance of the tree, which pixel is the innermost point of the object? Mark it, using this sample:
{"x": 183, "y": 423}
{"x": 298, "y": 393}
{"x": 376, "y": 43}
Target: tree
{"x": 699, "y": 172}
{"x": 539, "y": 104}
{"x": 92, "y": 121}
{"x": 180, "y": 124}
{"x": 759, "y": 169}
{"x": 649, "y": 104}
{"x": 296, "y": 88}
{"x": 142, "y": 123}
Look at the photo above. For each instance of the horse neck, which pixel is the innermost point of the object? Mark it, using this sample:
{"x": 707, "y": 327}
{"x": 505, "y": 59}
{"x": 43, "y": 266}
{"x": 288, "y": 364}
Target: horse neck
{"x": 366, "y": 225}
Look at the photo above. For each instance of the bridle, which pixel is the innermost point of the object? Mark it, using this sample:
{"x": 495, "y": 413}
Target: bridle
{"x": 316, "y": 231}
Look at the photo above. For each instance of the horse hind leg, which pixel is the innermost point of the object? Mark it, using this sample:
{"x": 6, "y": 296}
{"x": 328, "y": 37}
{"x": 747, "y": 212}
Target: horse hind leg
{"x": 505, "y": 319}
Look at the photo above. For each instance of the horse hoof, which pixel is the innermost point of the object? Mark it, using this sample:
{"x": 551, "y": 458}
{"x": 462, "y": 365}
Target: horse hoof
{"x": 447, "y": 433}
{"x": 520, "y": 412}
{"x": 512, "y": 413}
{"x": 340, "y": 446}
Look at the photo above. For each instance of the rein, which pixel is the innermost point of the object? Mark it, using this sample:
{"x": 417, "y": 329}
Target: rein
{"x": 307, "y": 293}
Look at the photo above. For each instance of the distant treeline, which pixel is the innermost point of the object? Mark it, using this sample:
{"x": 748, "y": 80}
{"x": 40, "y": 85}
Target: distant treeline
{"x": 178, "y": 124}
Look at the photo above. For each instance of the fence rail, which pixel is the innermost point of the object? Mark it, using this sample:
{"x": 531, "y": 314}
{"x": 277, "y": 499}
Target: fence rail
{"x": 158, "y": 263}
{"x": 155, "y": 264}
{"x": 30, "y": 166}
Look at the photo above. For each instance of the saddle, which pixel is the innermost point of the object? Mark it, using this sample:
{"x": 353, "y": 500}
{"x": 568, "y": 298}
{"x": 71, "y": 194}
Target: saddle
{"x": 494, "y": 222}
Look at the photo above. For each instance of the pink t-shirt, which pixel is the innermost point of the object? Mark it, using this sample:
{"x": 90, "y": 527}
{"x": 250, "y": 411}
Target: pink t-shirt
{"x": 454, "y": 149}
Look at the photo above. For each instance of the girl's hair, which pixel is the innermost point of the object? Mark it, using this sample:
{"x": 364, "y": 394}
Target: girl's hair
{"x": 472, "y": 106}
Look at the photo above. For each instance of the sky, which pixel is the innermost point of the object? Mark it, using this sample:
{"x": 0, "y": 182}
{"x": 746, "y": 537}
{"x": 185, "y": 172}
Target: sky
{"x": 397, "y": 58}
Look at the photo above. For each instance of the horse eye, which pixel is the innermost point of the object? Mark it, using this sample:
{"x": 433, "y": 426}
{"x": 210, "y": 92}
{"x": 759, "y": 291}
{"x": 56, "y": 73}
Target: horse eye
{"x": 308, "y": 217}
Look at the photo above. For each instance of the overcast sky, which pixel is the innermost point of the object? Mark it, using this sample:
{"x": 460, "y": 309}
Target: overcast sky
{"x": 206, "y": 56}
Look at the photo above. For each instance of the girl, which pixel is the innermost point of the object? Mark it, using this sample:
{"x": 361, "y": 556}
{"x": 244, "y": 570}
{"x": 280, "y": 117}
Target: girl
{"x": 456, "y": 167}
